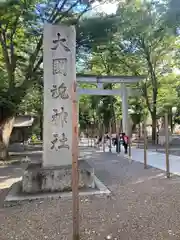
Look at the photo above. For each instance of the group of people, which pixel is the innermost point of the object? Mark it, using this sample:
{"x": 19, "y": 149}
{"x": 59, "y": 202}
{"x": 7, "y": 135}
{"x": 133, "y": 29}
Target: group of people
{"x": 120, "y": 139}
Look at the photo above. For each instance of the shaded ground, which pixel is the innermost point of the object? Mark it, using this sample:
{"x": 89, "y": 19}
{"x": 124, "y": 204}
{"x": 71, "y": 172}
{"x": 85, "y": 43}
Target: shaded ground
{"x": 144, "y": 205}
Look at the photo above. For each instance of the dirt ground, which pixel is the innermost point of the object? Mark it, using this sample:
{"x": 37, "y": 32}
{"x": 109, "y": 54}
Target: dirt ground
{"x": 143, "y": 205}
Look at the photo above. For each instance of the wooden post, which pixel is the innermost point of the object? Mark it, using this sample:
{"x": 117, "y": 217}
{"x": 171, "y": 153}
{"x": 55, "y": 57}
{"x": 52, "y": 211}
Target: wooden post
{"x": 88, "y": 135}
{"x": 129, "y": 146}
{"x": 167, "y": 145}
{"x": 118, "y": 146}
{"x": 75, "y": 172}
{"x": 137, "y": 137}
{"x": 91, "y": 137}
{"x": 94, "y": 138}
{"x": 139, "y": 134}
{"x": 103, "y": 138}
{"x": 145, "y": 145}
{"x": 110, "y": 136}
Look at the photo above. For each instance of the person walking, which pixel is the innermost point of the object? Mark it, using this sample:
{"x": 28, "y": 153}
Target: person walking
{"x": 118, "y": 142}
{"x": 125, "y": 142}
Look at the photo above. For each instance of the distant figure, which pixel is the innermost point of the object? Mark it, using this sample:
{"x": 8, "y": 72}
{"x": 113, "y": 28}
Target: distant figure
{"x": 125, "y": 142}
{"x": 109, "y": 141}
{"x": 99, "y": 140}
{"x": 117, "y": 143}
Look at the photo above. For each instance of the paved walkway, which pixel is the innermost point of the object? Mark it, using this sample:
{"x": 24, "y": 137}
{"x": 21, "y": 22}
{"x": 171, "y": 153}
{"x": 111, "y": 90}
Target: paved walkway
{"x": 157, "y": 160}
{"x": 154, "y": 159}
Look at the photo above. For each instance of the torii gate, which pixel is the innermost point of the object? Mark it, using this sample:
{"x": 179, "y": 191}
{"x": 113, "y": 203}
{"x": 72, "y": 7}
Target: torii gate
{"x": 123, "y": 91}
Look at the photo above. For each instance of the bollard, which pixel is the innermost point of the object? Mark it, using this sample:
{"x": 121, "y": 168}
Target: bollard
{"x": 167, "y": 145}
{"x": 145, "y": 146}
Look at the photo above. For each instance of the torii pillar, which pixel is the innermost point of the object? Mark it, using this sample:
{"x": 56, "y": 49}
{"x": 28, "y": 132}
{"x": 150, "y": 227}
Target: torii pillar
{"x": 125, "y": 117}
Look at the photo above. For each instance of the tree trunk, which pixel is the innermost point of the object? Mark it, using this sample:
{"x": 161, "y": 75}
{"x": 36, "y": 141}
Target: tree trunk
{"x": 6, "y": 130}
{"x": 113, "y": 122}
{"x": 139, "y": 130}
{"x": 153, "y": 116}
{"x": 170, "y": 119}
{"x": 113, "y": 116}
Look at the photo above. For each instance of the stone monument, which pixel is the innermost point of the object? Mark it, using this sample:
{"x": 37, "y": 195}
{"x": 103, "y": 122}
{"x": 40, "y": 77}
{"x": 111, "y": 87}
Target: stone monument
{"x": 59, "y": 74}
{"x": 54, "y": 174}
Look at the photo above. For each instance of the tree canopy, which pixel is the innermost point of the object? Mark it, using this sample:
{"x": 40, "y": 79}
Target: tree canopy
{"x": 138, "y": 42}
{"x": 141, "y": 38}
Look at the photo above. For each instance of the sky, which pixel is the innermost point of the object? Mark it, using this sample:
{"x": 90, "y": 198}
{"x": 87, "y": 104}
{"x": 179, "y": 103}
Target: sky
{"x": 108, "y": 8}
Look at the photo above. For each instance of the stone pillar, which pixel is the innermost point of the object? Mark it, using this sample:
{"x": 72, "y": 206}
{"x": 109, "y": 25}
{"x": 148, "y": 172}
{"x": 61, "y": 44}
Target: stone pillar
{"x": 59, "y": 74}
{"x": 55, "y": 172}
{"x": 125, "y": 119}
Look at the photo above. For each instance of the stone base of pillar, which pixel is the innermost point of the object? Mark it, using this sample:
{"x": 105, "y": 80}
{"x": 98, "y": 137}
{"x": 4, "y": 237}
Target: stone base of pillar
{"x": 37, "y": 179}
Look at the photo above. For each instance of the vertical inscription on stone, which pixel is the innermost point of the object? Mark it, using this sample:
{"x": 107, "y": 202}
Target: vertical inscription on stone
{"x": 59, "y": 91}
{"x": 59, "y": 74}
{"x": 59, "y": 117}
{"x": 60, "y": 66}
{"x": 59, "y": 142}
{"x": 60, "y": 41}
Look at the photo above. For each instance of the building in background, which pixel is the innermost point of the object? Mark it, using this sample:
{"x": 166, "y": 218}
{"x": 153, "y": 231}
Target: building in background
{"x": 22, "y": 128}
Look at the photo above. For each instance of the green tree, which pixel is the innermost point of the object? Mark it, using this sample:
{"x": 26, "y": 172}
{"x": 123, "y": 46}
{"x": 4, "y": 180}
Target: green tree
{"x": 21, "y": 37}
{"x": 105, "y": 59}
{"x": 32, "y": 104}
{"x": 99, "y": 30}
{"x": 138, "y": 42}
{"x": 146, "y": 46}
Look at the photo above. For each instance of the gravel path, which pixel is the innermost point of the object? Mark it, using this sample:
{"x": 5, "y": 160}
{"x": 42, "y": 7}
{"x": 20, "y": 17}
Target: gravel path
{"x": 144, "y": 205}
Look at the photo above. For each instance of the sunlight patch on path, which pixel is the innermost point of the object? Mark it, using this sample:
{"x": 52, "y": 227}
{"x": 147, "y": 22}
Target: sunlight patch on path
{"x": 8, "y": 182}
{"x": 141, "y": 180}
